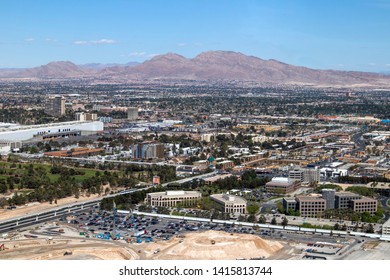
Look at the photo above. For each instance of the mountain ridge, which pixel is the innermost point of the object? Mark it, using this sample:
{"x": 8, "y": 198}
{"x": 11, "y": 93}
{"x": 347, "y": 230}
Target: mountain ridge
{"x": 206, "y": 66}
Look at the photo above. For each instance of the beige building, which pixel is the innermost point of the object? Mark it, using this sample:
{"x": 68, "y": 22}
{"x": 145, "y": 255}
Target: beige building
{"x": 172, "y": 198}
{"x": 279, "y": 185}
{"x": 311, "y": 206}
{"x": 229, "y": 203}
{"x": 81, "y": 116}
{"x": 386, "y": 227}
{"x": 364, "y": 204}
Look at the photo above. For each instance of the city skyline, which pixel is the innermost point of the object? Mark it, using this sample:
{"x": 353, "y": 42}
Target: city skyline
{"x": 351, "y": 35}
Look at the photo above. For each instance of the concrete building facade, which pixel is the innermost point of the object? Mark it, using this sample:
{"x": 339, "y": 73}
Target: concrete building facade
{"x": 386, "y": 228}
{"x": 364, "y": 204}
{"x": 289, "y": 204}
{"x": 329, "y": 196}
{"x": 279, "y": 185}
{"x": 342, "y": 199}
{"x": 229, "y": 203}
{"x": 305, "y": 175}
{"x": 173, "y": 198}
{"x": 311, "y": 206}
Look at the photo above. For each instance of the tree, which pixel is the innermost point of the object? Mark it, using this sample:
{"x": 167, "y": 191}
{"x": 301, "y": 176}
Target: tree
{"x": 3, "y": 202}
{"x": 252, "y": 218}
{"x": 3, "y": 187}
{"x": 284, "y": 221}
{"x": 262, "y": 219}
{"x": 252, "y": 209}
{"x": 370, "y": 228}
{"x": 273, "y": 221}
{"x": 336, "y": 226}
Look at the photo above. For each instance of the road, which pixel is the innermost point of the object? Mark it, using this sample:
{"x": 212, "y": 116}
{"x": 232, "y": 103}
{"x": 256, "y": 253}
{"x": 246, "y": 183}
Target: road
{"x": 97, "y": 160}
{"x": 44, "y": 216}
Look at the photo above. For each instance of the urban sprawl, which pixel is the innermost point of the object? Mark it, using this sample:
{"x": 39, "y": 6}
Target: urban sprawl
{"x": 307, "y": 168}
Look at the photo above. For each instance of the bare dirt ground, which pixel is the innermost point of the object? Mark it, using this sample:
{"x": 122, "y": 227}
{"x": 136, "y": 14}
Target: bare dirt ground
{"x": 195, "y": 246}
{"x": 40, "y": 249}
{"x": 198, "y": 246}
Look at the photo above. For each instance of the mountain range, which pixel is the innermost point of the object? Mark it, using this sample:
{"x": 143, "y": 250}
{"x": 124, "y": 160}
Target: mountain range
{"x": 225, "y": 66}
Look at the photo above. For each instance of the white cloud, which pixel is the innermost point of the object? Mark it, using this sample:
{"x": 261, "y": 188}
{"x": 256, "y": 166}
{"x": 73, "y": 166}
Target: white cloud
{"x": 29, "y": 40}
{"x": 137, "y": 54}
{"x": 181, "y": 45}
{"x": 95, "y": 42}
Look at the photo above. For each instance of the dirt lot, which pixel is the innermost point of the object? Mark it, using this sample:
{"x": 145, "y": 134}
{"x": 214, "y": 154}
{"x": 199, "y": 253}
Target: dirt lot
{"x": 198, "y": 246}
{"x": 40, "y": 249}
{"x": 191, "y": 246}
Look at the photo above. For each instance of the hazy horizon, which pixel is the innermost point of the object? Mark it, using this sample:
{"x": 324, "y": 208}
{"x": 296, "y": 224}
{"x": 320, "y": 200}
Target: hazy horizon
{"x": 346, "y": 35}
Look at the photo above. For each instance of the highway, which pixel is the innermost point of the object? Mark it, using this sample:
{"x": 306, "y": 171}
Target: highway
{"x": 68, "y": 209}
{"x": 97, "y": 160}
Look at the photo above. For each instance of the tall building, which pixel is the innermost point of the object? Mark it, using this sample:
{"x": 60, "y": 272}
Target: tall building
{"x": 330, "y": 198}
{"x": 55, "y": 106}
{"x": 132, "y": 113}
{"x": 307, "y": 175}
{"x": 148, "y": 150}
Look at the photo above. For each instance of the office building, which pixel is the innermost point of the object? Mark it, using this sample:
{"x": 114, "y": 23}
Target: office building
{"x": 289, "y": 204}
{"x": 55, "y": 106}
{"x": 305, "y": 175}
{"x": 342, "y": 199}
{"x": 330, "y": 199}
{"x": 148, "y": 150}
{"x": 311, "y": 206}
{"x": 132, "y": 113}
{"x": 81, "y": 116}
{"x": 386, "y": 228}
{"x": 280, "y": 185}
{"x": 364, "y": 204}
{"x": 229, "y": 203}
{"x": 173, "y": 198}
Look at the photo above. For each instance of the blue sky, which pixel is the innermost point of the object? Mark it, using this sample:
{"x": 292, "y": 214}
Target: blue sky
{"x": 323, "y": 34}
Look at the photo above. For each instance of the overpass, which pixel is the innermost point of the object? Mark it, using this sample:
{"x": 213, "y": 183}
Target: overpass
{"x": 65, "y": 210}
{"x": 102, "y": 160}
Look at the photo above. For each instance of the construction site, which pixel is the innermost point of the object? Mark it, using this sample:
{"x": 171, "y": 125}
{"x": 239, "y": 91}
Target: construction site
{"x": 62, "y": 241}
{"x": 109, "y": 235}
{"x": 54, "y": 242}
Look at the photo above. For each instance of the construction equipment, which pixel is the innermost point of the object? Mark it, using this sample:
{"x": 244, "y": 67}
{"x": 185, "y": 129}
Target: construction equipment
{"x": 2, "y": 248}
{"x": 68, "y": 253}
{"x": 212, "y": 242}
